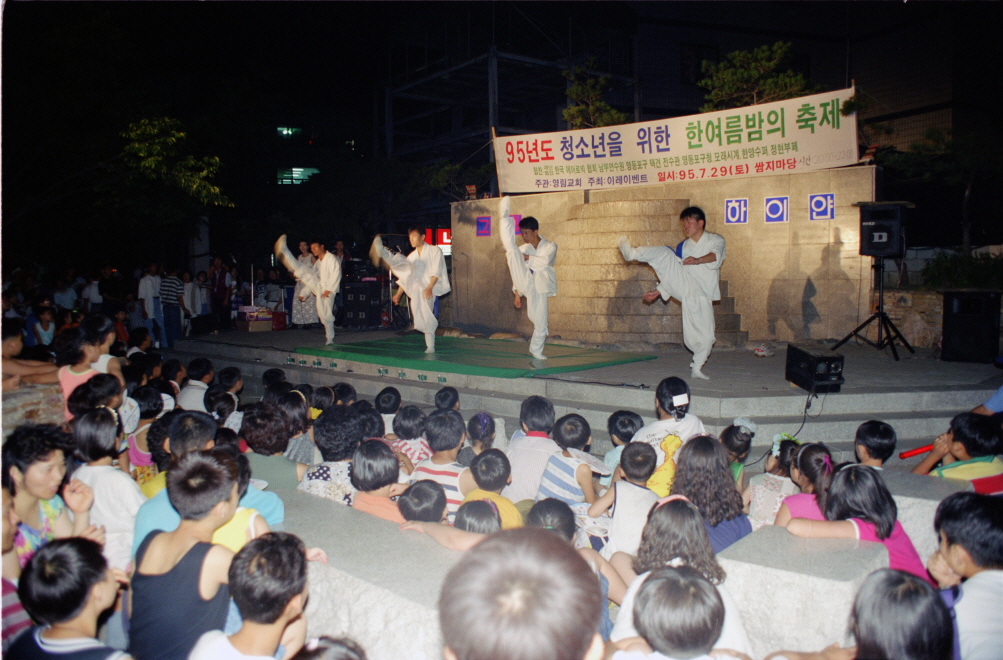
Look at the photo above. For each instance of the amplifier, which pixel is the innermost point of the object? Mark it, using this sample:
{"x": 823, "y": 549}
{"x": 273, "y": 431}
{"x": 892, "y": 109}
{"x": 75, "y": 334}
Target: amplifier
{"x": 814, "y": 369}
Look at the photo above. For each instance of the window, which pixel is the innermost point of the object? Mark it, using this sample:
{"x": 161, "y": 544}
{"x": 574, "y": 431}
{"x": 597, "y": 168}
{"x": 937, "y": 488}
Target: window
{"x": 287, "y": 132}
{"x": 295, "y": 175}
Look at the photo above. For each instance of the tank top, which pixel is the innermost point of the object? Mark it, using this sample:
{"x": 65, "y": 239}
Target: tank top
{"x": 32, "y": 646}
{"x": 630, "y": 513}
{"x": 168, "y": 613}
{"x": 141, "y": 461}
{"x": 559, "y": 480}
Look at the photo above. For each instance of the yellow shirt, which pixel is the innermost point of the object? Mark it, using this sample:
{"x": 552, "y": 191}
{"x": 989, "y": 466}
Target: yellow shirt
{"x": 510, "y": 516}
{"x": 154, "y": 485}
{"x": 233, "y": 534}
{"x": 973, "y": 468}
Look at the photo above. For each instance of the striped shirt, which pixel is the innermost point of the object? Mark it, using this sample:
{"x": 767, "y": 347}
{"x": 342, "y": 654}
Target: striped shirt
{"x": 447, "y": 476}
{"x": 559, "y": 480}
{"x": 170, "y": 288}
{"x": 15, "y": 619}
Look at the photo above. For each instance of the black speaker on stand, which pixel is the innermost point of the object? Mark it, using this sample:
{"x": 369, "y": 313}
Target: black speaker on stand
{"x": 882, "y": 234}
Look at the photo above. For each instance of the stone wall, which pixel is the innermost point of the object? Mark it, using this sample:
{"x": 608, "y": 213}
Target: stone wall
{"x": 790, "y": 281}
{"x": 32, "y": 404}
{"x": 919, "y": 316}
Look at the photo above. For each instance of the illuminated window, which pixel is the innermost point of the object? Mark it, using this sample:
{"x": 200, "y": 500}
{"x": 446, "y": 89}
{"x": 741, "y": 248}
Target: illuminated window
{"x": 287, "y": 132}
{"x": 295, "y": 175}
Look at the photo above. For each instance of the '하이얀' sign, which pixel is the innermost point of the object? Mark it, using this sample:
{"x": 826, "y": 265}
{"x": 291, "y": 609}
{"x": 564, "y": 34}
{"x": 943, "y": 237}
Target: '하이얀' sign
{"x": 796, "y": 135}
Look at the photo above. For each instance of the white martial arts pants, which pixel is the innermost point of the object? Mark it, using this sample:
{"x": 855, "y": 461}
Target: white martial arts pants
{"x": 537, "y": 304}
{"x": 308, "y": 276}
{"x": 422, "y": 310}
{"x": 698, "y": 309}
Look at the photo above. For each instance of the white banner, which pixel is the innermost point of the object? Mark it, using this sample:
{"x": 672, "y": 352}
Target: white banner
{"x": 796, "y": 135}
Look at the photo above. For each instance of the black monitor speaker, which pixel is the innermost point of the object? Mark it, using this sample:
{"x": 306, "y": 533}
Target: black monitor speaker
{"x": 814, "y": 369}
{"x": 971, "y": 326}
{"x": 882, "y": 228}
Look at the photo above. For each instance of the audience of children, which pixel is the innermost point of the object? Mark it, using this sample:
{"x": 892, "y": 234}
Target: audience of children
{"x": 621, "y": 426}
{"x": 445, "y": 433}
{"x": 480, "y": 436}
{"x": 568, "y": 477}
{"x": 492, "y": 472}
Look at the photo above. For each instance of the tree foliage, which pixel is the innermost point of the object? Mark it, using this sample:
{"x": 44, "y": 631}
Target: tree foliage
{"x": 762, "y": 75}
{"x": 586, "y": 91}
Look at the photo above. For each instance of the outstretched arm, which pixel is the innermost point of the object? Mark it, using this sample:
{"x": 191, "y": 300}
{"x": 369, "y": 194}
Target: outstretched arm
{"x": 444, "y": 535}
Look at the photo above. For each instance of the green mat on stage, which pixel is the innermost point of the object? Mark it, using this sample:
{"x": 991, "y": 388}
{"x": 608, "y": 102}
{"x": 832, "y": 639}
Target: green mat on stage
{"x": 494, "y": 358}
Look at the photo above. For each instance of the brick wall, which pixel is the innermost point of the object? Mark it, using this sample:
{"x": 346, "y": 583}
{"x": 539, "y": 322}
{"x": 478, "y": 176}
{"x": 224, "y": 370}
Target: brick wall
{"x": 34, "y": 404}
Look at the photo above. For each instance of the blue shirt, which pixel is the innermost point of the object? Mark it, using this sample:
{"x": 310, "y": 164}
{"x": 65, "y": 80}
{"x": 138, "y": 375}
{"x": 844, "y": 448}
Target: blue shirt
{"x": 158, "y": 513}
{"x": 995, "y": 402}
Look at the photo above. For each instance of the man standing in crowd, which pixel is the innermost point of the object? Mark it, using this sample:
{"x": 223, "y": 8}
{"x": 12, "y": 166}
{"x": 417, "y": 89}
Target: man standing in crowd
{"x": 691, "y": 275}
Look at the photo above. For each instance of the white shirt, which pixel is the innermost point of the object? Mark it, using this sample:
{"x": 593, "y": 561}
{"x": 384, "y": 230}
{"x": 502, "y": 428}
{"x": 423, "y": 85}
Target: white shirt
{"x": 706, "y": 277}
{"x": 328, "y": 273}
{"x": 430, "y": 263}
{"x": 980, "y": 616}
{"x": 733, "y": 635}
{"x": 215, "y": 645}
{"x": 117, "y": 499}
{"x": 149, "y": 288}
{"x": 541, "y": 265}
{"x": 528, "y": 456}
{"x": 655, "y": 432}
{"x": 92, "y": 294}
{"x": 192, "y": 396}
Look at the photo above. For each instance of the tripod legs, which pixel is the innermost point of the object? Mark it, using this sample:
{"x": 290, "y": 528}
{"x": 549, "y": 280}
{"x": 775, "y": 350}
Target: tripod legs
{"x": 887, "y": 334}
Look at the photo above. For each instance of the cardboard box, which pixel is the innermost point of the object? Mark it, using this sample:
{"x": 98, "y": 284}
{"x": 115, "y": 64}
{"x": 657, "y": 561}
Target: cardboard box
{"x": 255, "y": 326}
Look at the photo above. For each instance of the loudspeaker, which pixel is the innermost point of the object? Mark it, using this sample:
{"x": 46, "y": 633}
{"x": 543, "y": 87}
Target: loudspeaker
{"x": 362, "y": 304}
{"x": 882, "y": 229}
{"x": 813, "y": 369}
{"x": 971, "y": 326}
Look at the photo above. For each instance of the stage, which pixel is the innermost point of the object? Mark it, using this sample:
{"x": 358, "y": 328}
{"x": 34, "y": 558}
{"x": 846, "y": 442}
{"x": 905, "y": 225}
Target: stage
{"x": 917, "y": 395}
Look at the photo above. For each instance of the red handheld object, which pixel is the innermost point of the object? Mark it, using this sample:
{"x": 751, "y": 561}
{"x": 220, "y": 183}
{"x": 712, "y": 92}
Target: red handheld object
{"x": 916, "y": 452}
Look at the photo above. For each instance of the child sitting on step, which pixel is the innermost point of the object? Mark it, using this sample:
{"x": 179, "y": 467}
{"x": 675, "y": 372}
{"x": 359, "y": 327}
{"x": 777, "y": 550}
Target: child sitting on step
{"x": 492, "y": 472}
{"x": 566, "y": 477}
{"x": 374, "y": 476}
{"x": 445, "y": 432}
{"x": 630, "y": 499}
{"x": 409, "y": 427}
{"x": 621, "y": 426}
{"x": 968, "y": 450}
{"x": 480, "y": 436}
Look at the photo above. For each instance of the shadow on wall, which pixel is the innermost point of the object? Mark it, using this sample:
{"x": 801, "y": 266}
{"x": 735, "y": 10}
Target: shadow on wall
{"x": 794, "y": 297}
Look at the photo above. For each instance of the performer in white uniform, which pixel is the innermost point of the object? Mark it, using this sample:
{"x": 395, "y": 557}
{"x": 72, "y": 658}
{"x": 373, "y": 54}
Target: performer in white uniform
{"x": 532, "y": 269}
{"x": 323, "y": 279}
{"x": 691, "y": 277}
{"x": 422, "y": 276}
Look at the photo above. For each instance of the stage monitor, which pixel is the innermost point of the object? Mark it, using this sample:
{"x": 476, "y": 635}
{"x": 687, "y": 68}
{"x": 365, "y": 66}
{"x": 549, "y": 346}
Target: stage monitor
{"x": 814, "y": 369}
{"x": 882, "y": 228}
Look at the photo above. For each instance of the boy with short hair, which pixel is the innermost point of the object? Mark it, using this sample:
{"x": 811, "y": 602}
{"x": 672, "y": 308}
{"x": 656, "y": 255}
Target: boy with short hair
{"x": 445, "y": 432}
{"x": 630, "y": 498}
{"x": 522, "y": 593}
{"x": 874, "y": 443}
{"x": 447, "y": 399}
{"x": 65, "y": 587}
{"x": 179, "y": 578}
{"x": 568, "y": 478}
{"x": 528, "y": 454}
{"x": 621, "y": 426}
{"x": 375, "y": 471}
{"x": 265, "y": 429}
{"x": 492, "y": 472}
{"x": 968, "y": 449}
{"x": 678, "y": 613}
{"x": 970, "y": 527}
{"x": 200, "y": 376}
{"x": 268, "y": 581}
{"x": 388, "y": 403}
{"x": 232, "y": 380}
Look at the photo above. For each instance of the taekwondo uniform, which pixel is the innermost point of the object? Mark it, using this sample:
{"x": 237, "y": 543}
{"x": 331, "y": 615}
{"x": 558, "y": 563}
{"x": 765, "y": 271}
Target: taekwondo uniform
{"x": 696, "y": 287}
{"x": 413, "y": 275}
{"x": 534, "y": 278}
{"x": 323, "y": 276}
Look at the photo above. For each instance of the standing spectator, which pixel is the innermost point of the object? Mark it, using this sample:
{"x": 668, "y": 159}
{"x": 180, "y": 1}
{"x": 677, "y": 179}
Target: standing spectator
{"x": 220, "y": 283}
{"x": 172, "y": 299}
{"x": 149, "y": 300}
{"x": 64, "y": 297}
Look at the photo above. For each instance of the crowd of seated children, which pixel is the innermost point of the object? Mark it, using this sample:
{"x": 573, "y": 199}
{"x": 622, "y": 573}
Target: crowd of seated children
{"x": 529, "y": 453}
{"x": 480, "y": 437}
{"x": 337, "y": 432}
{"x": 629, "y": 497}
{"x": 478, "y": 517}
{"x": 703, "y": 477}
{"x": 445, "y": 432}
{"x": 621, "y": 426}
{"x": 812, "y": 470}
{"x": 967, "y": 451}
{"x": 874, "y": 443}
{"x": 492, "y": 472}
{"x": 674, "y": 426}
{"x": 567, "y": 477}
{"x": 766, "y": 492}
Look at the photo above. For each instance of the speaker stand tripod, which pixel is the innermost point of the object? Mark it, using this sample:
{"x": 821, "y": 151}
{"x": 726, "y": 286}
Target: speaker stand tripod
{"x": 887, "y": 332}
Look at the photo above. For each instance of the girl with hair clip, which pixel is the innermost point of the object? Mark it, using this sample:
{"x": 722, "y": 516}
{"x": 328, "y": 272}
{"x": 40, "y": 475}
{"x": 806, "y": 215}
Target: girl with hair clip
{"x": 737, "y": 439}
{"x": 895, "y": 616}
{"x": 811, "y": 471}
{"x": 767, "y": 491}
{"x": 409, "y": 427}
{"x": 138, "y": 458}
{"x": 860, "y": 507}
{"x": 117, "y": 498}
{"x": 675, "y": 536}
{"x": 301, "y": 449}
{"x": 704, "y": 478}
{"x": 480, "y": 435}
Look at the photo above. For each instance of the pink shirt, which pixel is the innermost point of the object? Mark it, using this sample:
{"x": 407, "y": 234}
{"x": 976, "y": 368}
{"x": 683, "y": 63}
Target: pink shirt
{"x": 902, "y": 555}
{"x": 69, "y": 381}
{"x": 804, "y": 505}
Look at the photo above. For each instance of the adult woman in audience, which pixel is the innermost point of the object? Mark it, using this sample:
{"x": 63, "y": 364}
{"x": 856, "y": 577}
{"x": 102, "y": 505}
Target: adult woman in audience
{"x": 304, "y": 303}
{"x": 812, "y": 470}
{"x": 703, "y": 477}
{"x": 675, "y": 535}
{"x": 34, "y": 469}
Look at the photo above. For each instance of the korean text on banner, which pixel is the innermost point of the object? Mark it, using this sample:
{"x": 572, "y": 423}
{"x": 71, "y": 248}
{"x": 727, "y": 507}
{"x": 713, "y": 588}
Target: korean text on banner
{"x": 796, "y": 135}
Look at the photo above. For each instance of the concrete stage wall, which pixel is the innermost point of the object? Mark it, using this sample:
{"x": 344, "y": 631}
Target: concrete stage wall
{"x": 789, "y": 281}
